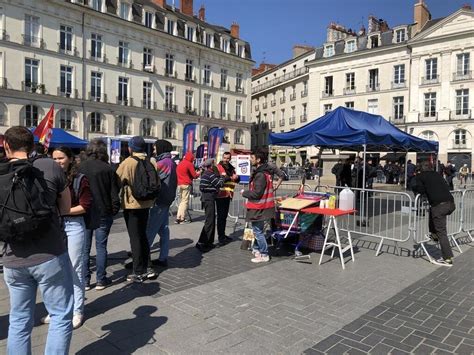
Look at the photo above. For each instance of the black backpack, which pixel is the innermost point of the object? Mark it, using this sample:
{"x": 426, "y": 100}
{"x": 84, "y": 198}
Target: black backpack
{"x": 24, "y": 210}
{"x": 92, "y": 215}
{"x": 146, "y": 183}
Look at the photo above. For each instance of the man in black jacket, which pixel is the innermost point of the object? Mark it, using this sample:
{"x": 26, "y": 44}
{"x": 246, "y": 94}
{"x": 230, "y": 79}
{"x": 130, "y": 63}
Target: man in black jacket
{"x": 337, "y": 171}
{"x": 105, "y": 188}
{"x": 433, "y": 186}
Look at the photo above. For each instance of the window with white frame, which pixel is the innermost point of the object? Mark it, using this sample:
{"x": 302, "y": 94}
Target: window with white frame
{"x": 96, "y": 122}
{"x": 238, "y": 82}
{"x": 65, "y": 38}
{"x": 207, "y": 105}
{"x": 238, "y": 110}
{"x": 97, "y": 5}
{"x": 65, "y": 87}
{"x": 327, "y": 108}
{"x": 399, "y": 74}
{"x": 462, "y": 64}
{"x": 373, "y": 106}
{"x": 189, "y": 101}
{"x": 350, "y": 81}
{"x": 350, "y": 46}
{"x": 400, "y": 35}
{"x": 123, "y": 53}
{"x": 462, "y": 102}
{"x": 122, "y": 125}
{"x": 223, "y": 112}
{"x": 239, "y": 137}
{"x": 147, "y": 127}
{"x": 430, "y": 104}
{"x": 124, "y": 11}
{"x": 189, "y": 70}
{"x": 240, "y": 49}
{"x": 96, "y": 46}
{"x": 147, "y": 59}
{"x": 31, "y": 73}
{"x": 207, "y": 74}
{"x": 169, "y": 98}
{"x": 31, "y": 116}
{"x": 223, "y": 78}
{"x": 431, "y": 69}
{"x": 209, "y": 39}
{"x": 169, "y": 68}
{"x": 66, "y": 119}
{"x": 328, "y": 85}
{"x": 170, "y": 27}
{"x": 225, "y": 45}
{"x": 122, "y": 90}
{"x": 169, "y": 130}
{"x": 398, "y": 107}
{"x": 329, "y": 50}
{"x": 147, "y": 91}
{"x": 374, "y": 41}
{"x": 96, "y": 86}
{"x": 428, "y": 135}
{"x": 190, "y": 33}
{"x": 460, "y": 137}
{"x": 148, "y": 19}
{"x": 32, "y": 30}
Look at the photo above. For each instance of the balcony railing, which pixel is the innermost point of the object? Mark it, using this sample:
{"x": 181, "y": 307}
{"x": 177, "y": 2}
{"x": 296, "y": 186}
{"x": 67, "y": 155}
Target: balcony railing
{"x": 97, "y": 98}
{"x": 190, "y": 111}
{"x": 72, "y": 51}
{"x": 304, "y": 93}
{"x": 150, "y": 68}
{"x": 467, "y": 75}
{"x": 397, "y": 120}
{"x": 460, "y": 114}
{"x": 282, "y": 122}
{"x": 292, "y": 120}
{"x": 282, "y": 100}
{"x": 303, "y": 118}
{"x": 283, "y": 78}
{"x": 125, "y": 63}
{"x": 170, "y": 73}
{"x": 33, "y": 41}
{"x": 327, "y": 93}
{"x": 170, "y": 107}
{"x": 32, "y": 87}
{"x": 124, "y": 101}
{"x": 293, "y": 97}
{"x": 399, "y": 85}
{"x": 434, "y": 79}
{"x": 372, "y": 87}
{"x": 208, "y": 114}
{"x": 349, "y": 91}
{"x": 264, "y": 105}
{"x": 459, "y": 144}
{"x": 273, "y": 102}
{"x": 272, "y": 124}
{"x": 73, "y": 93}
{"x": 97, "y": 58}
{"x": 190, "y": 78}
{"x": 428, "y": 117}
{"x": 149, "y": 104}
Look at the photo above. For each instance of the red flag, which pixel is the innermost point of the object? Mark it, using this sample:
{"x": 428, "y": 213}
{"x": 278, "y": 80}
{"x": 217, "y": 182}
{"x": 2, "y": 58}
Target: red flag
{"x": 45, "y": 128}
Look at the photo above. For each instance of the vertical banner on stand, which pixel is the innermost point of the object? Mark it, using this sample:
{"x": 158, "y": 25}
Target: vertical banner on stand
{"x": 189, "y": 136}
{"x": 115, "y": 151}
{"x": 201, "y": 154}
{"x": 214, "y": 141}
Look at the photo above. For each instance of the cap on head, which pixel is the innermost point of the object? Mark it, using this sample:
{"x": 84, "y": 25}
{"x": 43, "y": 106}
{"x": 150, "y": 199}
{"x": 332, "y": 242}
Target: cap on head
{"x": 137, "y": 144}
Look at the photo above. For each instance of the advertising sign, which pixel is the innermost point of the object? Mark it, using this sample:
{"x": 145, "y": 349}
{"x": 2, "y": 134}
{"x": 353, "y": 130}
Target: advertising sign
{"x": 243, "y": 168}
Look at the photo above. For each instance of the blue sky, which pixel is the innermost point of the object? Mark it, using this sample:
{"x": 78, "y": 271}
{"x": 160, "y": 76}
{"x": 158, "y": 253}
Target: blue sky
{"x": 273, "y": 26}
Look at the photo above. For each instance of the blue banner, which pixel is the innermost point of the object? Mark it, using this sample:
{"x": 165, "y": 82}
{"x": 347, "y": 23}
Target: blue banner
{"x": 214, "y": 141}
{"x": 189, "y": 137}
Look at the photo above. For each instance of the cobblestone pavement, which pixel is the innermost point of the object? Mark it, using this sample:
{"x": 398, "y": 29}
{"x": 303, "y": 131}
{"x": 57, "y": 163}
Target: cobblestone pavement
{"x": 220, "y": 302}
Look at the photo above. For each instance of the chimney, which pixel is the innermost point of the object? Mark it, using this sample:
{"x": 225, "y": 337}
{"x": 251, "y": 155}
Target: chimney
{"x": 466, "y": 7}
{"x": 299, "y": 49}
{"x": 187, "y": 7}
{"x": 235, "y": 30}
{"x": 160, "y": 3}
{"x": 421, "y": 15}
{"x": 202, "y": 13}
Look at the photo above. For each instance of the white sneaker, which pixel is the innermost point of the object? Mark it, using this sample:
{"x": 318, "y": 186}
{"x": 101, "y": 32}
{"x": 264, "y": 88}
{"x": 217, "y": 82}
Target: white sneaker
{"x": 256, "y": 253}
{"x": 261, "y": 259}
{"x": 443, "y": 262}
{"x": 77, "y": 320}
{"x": 46, "y": 320}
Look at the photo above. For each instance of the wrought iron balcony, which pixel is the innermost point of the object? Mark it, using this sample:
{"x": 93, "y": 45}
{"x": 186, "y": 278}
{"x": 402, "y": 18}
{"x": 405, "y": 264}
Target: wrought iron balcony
{"x": 32, "y": 87}
{"x": 168, "y": 106}
{"x": 124, "y": 101}
{"x": 149, "y": 104}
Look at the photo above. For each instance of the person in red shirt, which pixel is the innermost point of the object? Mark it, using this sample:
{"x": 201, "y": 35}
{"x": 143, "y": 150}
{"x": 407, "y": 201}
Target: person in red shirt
{"x": 186, "y": 174}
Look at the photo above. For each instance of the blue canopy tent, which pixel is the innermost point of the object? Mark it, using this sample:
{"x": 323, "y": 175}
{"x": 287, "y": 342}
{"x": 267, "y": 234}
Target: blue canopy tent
{"x": 61, "y": 137}
{"x": 347, "y": 129}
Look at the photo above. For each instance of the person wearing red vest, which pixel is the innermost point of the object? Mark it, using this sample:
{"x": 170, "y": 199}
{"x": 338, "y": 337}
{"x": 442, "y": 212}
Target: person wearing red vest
{"x": 260, "y": 204}
{"x": 186, "y": 173}
{"x": 224, "y": 196}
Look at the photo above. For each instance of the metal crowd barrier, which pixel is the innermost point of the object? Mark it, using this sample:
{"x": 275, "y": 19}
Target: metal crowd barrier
{"x": 385, "y": 215}
{"x": 467, "y": 223}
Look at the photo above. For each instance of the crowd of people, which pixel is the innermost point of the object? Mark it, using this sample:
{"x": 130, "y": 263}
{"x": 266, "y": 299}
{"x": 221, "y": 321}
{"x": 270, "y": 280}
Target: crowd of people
{"x": 81, "y": 195}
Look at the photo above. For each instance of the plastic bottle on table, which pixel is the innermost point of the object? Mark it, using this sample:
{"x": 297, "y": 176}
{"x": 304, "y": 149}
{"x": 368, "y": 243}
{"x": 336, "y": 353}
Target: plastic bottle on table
{"x": 332, "y": 202}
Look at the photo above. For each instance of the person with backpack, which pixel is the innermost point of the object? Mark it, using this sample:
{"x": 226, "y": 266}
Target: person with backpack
{"x": 140, "y": 187}
{"x": 35, "y": 256}
{"x": 74, "y": 225}
{"x": 105, "y": 188}
{"x": 158, "y": 218}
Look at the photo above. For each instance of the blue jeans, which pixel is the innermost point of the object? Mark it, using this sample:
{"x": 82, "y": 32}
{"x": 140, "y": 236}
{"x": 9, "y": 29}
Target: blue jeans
{"x": 158, "y": 222}
{"x": 101, "y": 237}
{"x": 75, "y": 230}
{"x": 260, "y": 244}
{"x": 54, "y": 279}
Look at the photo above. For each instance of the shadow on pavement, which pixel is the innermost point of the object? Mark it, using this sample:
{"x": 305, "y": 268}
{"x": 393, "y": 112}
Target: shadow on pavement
{"x": 140, "y": 330}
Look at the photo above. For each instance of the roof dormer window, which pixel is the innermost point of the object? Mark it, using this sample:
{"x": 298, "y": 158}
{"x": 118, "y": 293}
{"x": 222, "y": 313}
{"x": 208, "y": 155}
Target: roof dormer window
{"x": 124, "y": 10}
{"x": 350, "y": 46}
{"x": 225, "y": 45}
{"x": 329, "y": 50}
{"x": 170, "y": 26}
{"x": 374, "y": 41}
{"x": 148, "y": 18}
{"x": 400, "y": 35}
{"x": 97, "y": 5}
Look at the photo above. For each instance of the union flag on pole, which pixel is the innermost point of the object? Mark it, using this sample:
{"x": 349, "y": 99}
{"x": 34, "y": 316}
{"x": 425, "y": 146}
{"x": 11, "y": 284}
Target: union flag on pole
{"x": 45, "y": 128}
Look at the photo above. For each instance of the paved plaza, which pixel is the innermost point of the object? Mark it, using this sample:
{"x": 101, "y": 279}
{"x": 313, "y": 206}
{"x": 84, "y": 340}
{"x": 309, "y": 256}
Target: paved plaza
{"x": 220, "y": 302}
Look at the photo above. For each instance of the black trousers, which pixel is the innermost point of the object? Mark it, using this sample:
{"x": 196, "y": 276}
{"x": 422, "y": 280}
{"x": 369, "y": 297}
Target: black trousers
{"x": 136, "y": 221}
{"x": 222, "y": 205}
{"x": 209, "y": 229}
{"x": 437, "y": 225}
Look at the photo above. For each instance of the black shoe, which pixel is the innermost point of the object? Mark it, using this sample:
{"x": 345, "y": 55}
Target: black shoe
{"x": 150, "y": 274}
{"x": 135, "y": 278}
{"x": 101, "y": 285}
{"x": 203, "y": 248}
{"x": 158, "y": 262}
{"x": 88, "y": 285}
{"x": 211, "y": 246}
